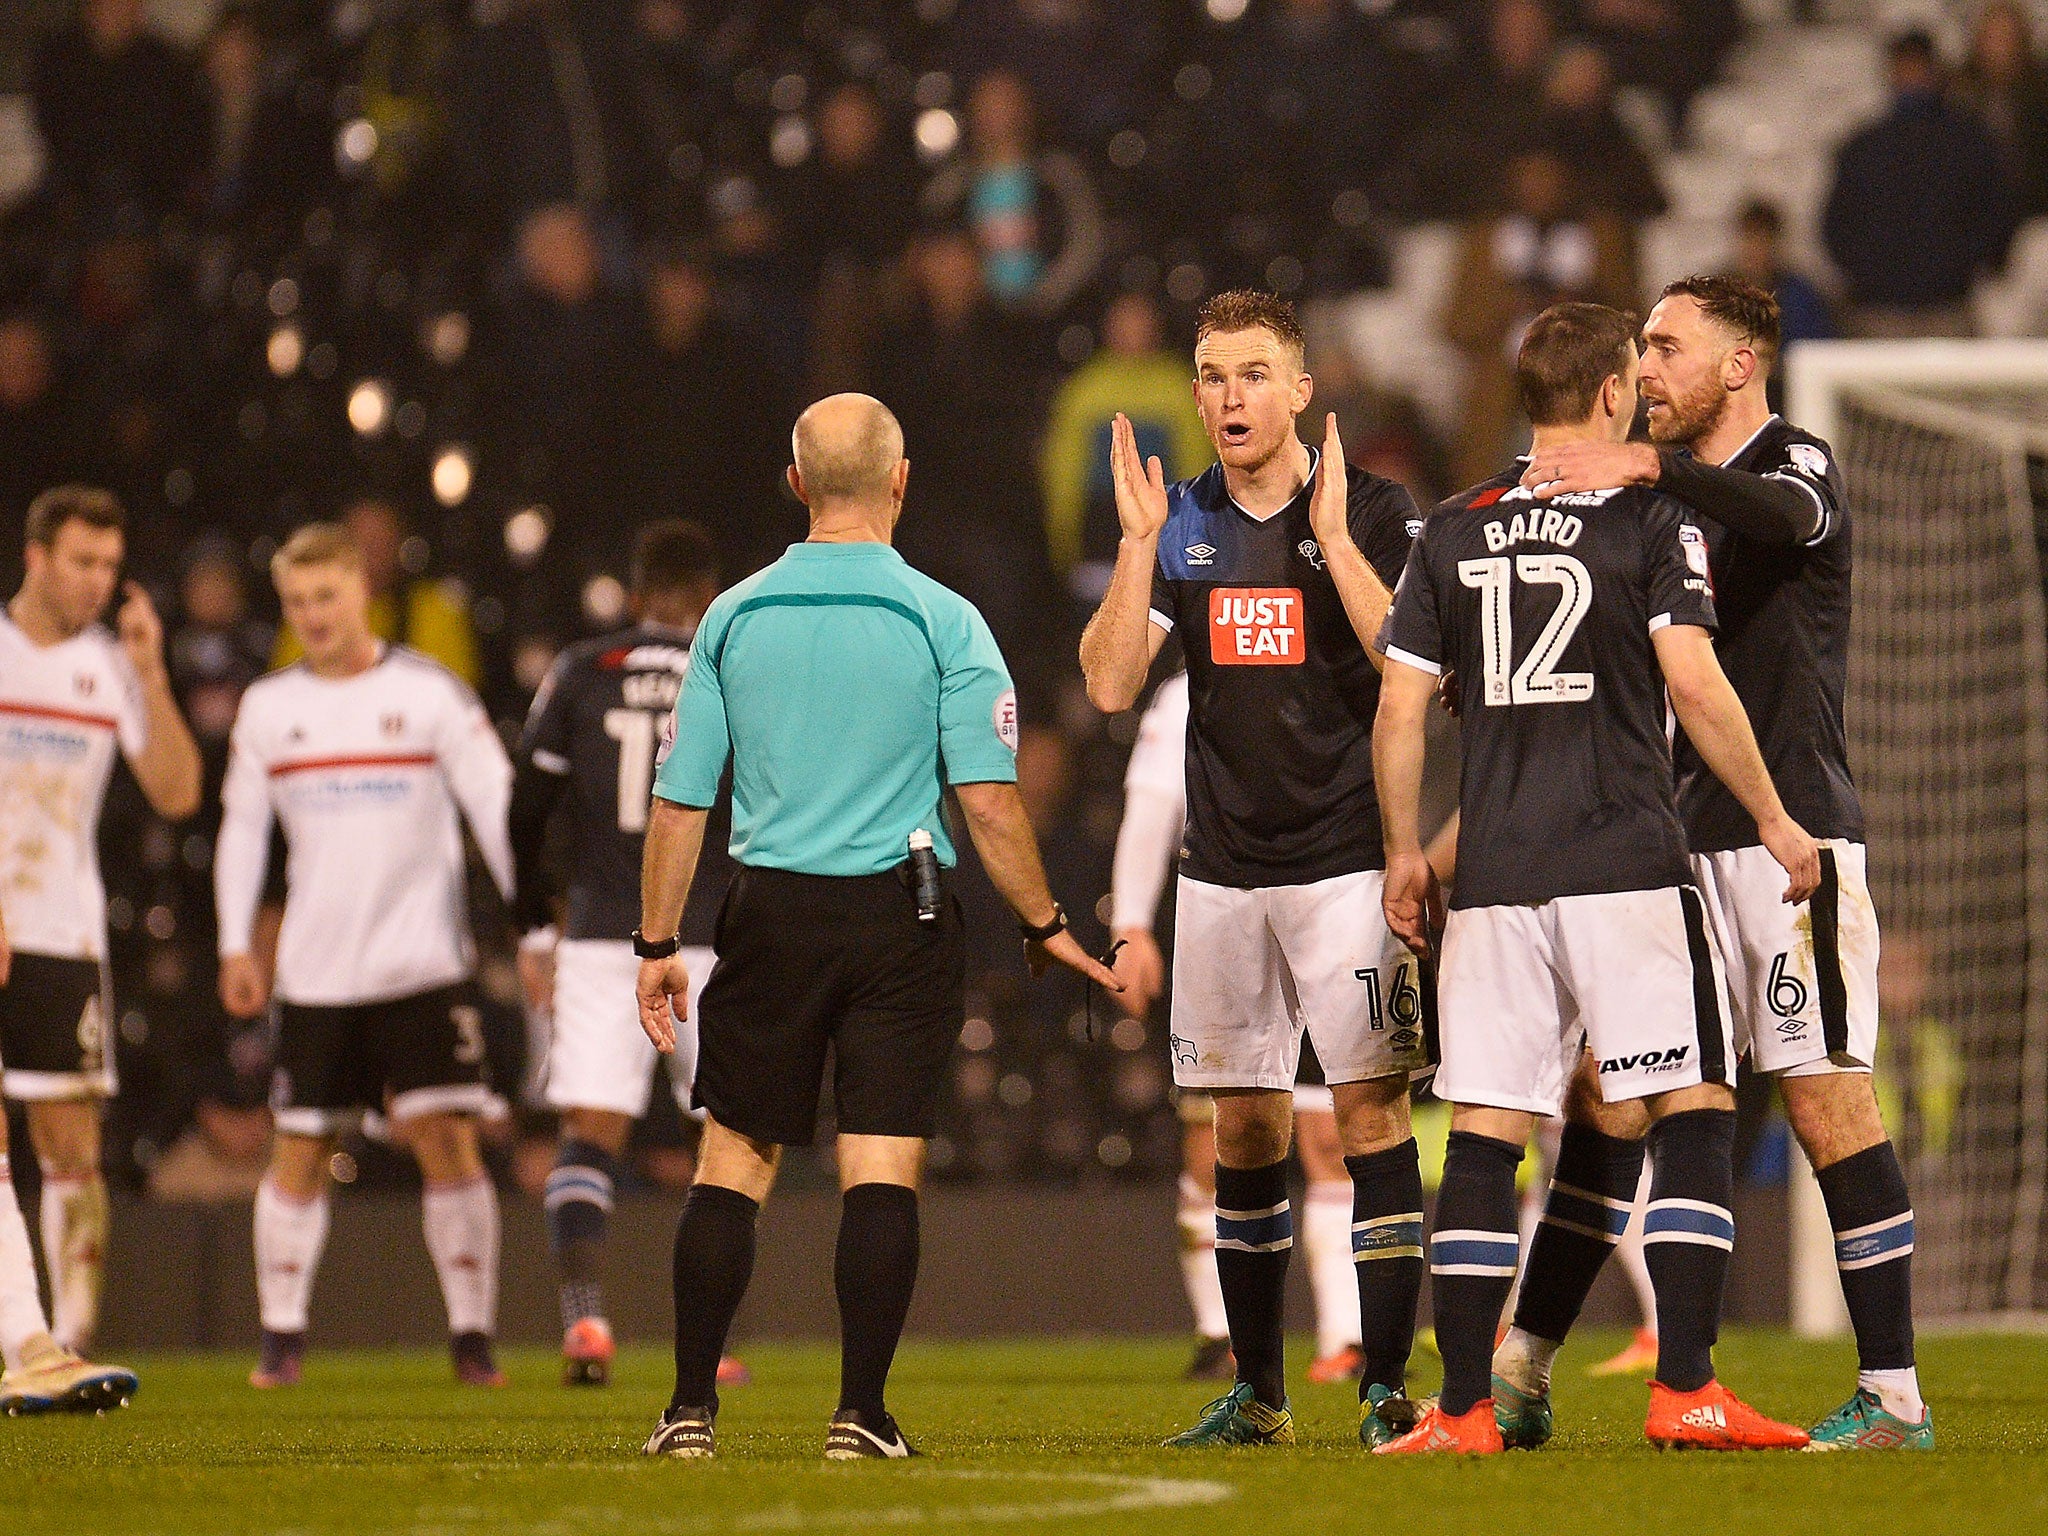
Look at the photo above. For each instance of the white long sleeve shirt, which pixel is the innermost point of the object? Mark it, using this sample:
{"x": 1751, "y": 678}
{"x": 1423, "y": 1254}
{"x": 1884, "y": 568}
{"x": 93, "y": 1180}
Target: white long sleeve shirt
{"x": 366, "y": 775}
{"x": 1155, "y": 808}
{"x": 65, "y": 709}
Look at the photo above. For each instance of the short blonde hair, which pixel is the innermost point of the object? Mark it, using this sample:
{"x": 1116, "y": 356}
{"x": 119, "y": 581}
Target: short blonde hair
{"x": 316, "y": 544}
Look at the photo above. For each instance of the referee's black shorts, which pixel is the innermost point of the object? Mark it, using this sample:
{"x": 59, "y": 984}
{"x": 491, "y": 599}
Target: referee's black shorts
{"x": 811, "y": 961}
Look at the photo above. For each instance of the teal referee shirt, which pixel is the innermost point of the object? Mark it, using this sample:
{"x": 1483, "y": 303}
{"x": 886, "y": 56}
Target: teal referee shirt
{"x": 847, "y": 690}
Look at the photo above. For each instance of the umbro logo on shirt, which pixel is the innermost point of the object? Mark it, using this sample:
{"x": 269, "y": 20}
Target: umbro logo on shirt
{"x": 1200, "y": 554}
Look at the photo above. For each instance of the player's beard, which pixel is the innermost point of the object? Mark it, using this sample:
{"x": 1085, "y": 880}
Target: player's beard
{"x": 1689, "y": 417}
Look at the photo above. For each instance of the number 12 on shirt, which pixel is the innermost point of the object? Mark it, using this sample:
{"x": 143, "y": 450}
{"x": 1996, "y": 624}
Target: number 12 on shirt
{"x": 1535, "y": 681}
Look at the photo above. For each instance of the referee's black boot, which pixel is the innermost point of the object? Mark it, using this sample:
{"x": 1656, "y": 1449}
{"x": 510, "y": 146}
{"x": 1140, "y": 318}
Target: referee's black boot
{"x": 853, "y": 1435}
{"x": 684, "y": 1433}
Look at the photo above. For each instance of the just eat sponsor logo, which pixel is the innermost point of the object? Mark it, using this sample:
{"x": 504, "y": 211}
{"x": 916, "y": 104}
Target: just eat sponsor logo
{"x": 1256, "y": 627}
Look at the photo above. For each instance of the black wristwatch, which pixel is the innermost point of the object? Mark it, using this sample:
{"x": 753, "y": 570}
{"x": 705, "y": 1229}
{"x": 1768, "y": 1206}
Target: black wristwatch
{"x": 1057, "y": 926}
{"x": 656, "y": 949}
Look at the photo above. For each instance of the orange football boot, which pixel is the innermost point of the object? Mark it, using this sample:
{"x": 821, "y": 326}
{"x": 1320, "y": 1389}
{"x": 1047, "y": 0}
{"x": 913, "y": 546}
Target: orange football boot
{"x": 1469, "y": 1434}
{"x": 1714, "y": 1419}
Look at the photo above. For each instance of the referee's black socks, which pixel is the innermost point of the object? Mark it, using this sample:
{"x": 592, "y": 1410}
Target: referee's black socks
{"x": 714, "y": 1261}
{"x": 1386, "y": 1250}
{"x": 1592, "y": 1192}
{"x": 1688, "y": 1235}
{"x": 1472, "y": 1256}
{"x": 1254, "y": 1236}
{"x": 874, "y": 1271}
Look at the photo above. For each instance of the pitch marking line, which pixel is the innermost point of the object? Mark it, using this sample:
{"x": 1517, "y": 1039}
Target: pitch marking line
{"x": 1122, "y": 1495}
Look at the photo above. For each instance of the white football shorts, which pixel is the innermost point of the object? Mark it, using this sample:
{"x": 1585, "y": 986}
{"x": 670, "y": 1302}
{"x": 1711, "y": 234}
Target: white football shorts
{"x": 1632, "y": 976}
{"x": 600, "y": 1058}
{"x": 1803, "y": 978}
{"x": 1253, "y": 968}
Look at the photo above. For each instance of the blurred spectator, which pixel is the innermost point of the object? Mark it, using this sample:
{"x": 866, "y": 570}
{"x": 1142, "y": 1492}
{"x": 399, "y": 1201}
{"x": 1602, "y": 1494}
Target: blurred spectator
{"x": 685, "y": 457}
{"x": 847, "y": 213}
{"x": 1760, "y": 257}
{"x": 1671, "y": 47}
{"x": 1091, "y": 64}
{"x": 1133, "y": 373}
{"x": 1920, "y": 206}
{"x": 1309, "y": 107}
{"x": 1545, "y": 247}
{"x": 542, "y": 112}
{"x": 1608, "y": 165}
{"x": 406, "y": 609}
{"x": 122, "y": 121}
{"x": 964, "y": 390}
{"x": 216, "y": 649}
{"x": 1032, "y": 211}
{"x": 37, "y": 445}
{"x": 2004, "y": 84}
{"x": 1457, "y": 157}
{"x": 1382, "y": 428}
{"x": 270, "y": 143}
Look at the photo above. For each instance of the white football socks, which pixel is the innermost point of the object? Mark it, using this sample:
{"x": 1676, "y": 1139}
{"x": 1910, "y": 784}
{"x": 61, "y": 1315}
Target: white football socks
{"x": 1196, "y": 1219}
{"x": 74, "y": 1221}
{"x": 1332, "y": 1277}
{"x": 21, "y": 1310}
{"x": 290, "y": 1233}
{"x": 1525, "y": 1360}
{"x": 1898, "y": 1391}
{"x": 461, "y": 1222}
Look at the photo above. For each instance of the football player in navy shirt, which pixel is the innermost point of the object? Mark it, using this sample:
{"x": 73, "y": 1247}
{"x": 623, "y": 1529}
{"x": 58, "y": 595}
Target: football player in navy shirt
{"x": 1276, "y": 567}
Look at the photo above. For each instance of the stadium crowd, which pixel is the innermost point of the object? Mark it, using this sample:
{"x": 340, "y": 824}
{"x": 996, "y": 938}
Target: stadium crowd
{"x": 499, "y": 281}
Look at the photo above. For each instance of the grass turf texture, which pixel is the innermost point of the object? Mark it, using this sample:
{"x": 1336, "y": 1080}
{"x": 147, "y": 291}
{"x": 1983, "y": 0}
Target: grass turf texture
{"x": 1035, "y": 1436}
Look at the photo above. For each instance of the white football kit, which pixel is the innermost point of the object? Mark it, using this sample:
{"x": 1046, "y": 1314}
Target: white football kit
{"x": 1260, "y": 965}
{"x": 366, "y": 775}
{"x": 65, "y": 709}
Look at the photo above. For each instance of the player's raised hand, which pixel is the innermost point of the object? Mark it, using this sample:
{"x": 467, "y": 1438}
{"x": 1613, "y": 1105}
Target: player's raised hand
{"x": 1066, "y": 950}
{"x": 1410, "y": 898}
{"x": 1141, "y": 968}
{"x": 1590, "y": 466}
{"x": 1797, "y": 853}
{"x": 141, "y": 631}
{"x": 244, "y": 991}
{"x": 1140, "y": 483}
{"x": 1329, "y": 509}
{"x": 662, "y": 981}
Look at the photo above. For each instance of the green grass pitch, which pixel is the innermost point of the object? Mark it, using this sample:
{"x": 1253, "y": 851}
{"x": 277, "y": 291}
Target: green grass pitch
{"x": 1031, "y": 1436}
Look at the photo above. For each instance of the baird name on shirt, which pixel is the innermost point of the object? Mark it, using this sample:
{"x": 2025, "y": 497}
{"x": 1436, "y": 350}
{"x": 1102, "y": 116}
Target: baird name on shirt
{"x": 1548, "y": 526}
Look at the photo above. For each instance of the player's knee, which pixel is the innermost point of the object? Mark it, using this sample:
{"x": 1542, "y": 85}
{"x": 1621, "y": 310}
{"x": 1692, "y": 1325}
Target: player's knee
{"x": 66, "y": 1137}
{"x": 446, "y": 1146}
{"x": 601, "y": 1128}
{"x": 298, "y": 1165}
{"x": 1253, "y": 1130}
{"x": 1834, "y": 1115}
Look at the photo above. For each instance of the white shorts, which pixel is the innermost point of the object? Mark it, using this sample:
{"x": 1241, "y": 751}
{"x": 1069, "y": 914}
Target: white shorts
{"x": 1252, "y": 969}
{"x": 600, "y": 1058}
{"x": 1803, "y": 978}
{"x": 1631, "y": 975}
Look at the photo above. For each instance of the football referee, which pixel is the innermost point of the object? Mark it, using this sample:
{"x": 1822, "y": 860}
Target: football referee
{"x": 848, "y": 691}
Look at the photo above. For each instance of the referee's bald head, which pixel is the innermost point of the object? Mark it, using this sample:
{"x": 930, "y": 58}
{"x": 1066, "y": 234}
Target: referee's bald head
{"x": 848, "y": 448}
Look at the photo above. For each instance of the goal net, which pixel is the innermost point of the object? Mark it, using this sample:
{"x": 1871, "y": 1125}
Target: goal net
{"x": 1945, "y": 449}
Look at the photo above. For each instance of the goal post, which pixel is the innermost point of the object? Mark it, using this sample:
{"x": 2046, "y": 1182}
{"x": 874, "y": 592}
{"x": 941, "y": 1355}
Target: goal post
{"x": 1944, "y": 445}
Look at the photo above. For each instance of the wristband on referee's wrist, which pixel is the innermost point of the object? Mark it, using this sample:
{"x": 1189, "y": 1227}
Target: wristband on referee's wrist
{"x": 1034, "y": 934}
{"x": 655, "y": 949}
